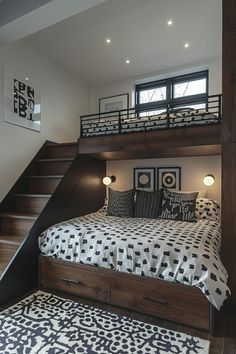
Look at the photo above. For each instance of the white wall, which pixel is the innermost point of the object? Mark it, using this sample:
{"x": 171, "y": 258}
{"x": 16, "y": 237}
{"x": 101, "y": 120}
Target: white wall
{"x": 63, "y": 100}
{"x": 214, "y": 66}
{"x": 193, "y": 169}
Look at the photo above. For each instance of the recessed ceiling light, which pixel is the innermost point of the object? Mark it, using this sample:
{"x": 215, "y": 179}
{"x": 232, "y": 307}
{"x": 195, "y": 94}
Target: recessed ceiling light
{"x": 127, "y": 61}
{"x": 27, "y": 79}
{"x": 186, "y": 45}
{"x": 170, "y": 23}
{"x": 108, "y": 41}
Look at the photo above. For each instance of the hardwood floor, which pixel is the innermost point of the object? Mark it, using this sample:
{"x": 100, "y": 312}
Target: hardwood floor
{"x": 223, "y": 341}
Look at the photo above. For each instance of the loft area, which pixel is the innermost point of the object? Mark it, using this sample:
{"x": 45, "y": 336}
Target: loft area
{"x": 167, "y": 116}
{"x": 177, "y": 132}
{"x": 172, "y": 117}
{"x": 179, "y": 101}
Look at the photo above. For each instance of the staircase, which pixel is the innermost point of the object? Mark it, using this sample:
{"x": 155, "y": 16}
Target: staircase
{"x": 24, "y": 203}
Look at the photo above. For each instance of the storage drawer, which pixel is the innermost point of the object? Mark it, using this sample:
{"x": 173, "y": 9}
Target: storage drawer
{"x": 183, "y": 304}
{"x": 72, "y": 278}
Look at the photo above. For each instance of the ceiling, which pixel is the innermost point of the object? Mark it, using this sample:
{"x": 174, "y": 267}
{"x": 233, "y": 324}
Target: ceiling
{"x": 138, "y": 31}
{"x": 19, "y": 19}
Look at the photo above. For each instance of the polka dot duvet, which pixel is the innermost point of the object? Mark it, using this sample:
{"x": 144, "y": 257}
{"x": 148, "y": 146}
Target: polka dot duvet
{"x": 182, "y": 252}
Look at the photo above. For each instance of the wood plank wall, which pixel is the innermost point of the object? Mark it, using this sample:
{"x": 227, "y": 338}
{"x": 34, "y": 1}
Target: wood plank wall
{"x": 228, "y": 137}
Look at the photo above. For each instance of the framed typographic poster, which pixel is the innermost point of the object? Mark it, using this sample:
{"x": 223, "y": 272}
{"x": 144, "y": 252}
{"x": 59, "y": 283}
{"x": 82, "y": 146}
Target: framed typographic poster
{"x": 22, "y": 105}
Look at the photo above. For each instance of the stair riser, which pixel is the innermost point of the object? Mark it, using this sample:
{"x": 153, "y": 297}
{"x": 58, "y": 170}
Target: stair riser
{"x": 61, "y": 151}
{"x": 53, "y": 168}
{"x": 7, "y": 252}
{"x": 32, "y": 205}
{"x": 12, "y": 226}
{"x": 43, "y": 185}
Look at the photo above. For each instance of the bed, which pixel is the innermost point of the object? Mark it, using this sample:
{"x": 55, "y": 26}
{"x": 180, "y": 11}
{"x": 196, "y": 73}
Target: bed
{"x": 156, "y": 266}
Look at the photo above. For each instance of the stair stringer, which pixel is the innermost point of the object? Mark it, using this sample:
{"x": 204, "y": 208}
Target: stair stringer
{"x": 80, "y": 192}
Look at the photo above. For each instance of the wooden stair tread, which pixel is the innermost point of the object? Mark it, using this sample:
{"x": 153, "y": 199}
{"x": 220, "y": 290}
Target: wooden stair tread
{"x": 31, "y": 195}
{"x": 57, "y": 159}
{"x": 16, "y": 215}
{"x": 63, "y": 144}
{"x": 46, "y": 176}
{"x": 12, "y": 240}
{"x": 2, "y": 267}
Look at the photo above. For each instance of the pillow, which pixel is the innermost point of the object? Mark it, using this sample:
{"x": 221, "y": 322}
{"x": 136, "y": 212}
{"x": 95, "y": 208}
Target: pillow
{"x": 178, "y": 206}
{"x": 207, "y": 209}
{"x": 147, "y": 204}
{"x": 121, "y": 203}
{"x": 201, "y": 193}
{"x": 103, "y": 209}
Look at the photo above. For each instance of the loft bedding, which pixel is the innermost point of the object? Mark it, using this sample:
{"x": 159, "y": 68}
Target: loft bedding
{"x": 187, "y": 253}
{"x": 183, "y": 118}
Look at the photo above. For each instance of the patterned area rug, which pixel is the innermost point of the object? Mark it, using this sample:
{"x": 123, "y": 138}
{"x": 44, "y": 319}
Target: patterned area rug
{"x": 44, "y": 323}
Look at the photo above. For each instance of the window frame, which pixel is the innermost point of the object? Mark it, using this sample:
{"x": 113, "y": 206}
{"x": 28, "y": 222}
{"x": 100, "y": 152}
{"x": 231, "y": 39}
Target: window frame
{"x": 170, "y": 100}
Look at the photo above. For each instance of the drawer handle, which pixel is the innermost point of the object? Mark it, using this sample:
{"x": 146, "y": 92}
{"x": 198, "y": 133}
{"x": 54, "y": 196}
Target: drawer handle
{"x": 71, "y": 281}
{"x": 158, "y": 301}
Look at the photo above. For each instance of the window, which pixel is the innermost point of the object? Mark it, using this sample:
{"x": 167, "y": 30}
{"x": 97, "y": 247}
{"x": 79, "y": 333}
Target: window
{"x": 175, "y": 92}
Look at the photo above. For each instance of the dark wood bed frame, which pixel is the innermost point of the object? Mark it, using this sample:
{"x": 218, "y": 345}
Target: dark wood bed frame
{"x": 168, "y": 300}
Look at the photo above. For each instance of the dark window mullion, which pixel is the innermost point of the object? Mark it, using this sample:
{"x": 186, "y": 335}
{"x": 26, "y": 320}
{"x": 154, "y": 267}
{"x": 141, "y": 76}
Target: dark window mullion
{"x": 169, "y": 83}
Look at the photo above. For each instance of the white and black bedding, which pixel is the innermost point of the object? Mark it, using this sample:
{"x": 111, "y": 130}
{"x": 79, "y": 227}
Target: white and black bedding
{"x": 187, "y": 253}
{"x": 185, "y": 118}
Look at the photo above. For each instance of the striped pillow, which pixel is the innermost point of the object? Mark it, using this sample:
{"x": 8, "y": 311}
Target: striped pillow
{"x": 147, "y": 205}
{"x": 121, "y": 203}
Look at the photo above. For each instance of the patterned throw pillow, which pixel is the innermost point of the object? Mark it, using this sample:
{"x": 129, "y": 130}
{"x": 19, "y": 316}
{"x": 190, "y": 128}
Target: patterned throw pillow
{"x": 103, "y": 209}
{"x": 207, "y": 209}
{"x": 121, "y": 203}
{"x": 147, "y": 205}
{"x": 178, "y": 206}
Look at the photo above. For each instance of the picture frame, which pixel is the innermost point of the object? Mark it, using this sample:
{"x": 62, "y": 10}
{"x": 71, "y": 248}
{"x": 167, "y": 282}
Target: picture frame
{"x": 169, "y": 177}
{"x": 114, "y": 103}
{"x": 22, "y": 101}
{"x": 144, "y": 178}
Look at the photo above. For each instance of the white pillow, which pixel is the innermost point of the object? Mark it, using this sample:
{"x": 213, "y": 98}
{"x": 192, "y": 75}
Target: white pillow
{"x": 201, "y": 193}
{"x": 207, "y": 209}
{"x": 103, "y": 209}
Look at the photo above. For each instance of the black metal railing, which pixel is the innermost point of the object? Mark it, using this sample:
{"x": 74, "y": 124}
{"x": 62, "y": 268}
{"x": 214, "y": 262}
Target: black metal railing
{"x": 186, "y": 113}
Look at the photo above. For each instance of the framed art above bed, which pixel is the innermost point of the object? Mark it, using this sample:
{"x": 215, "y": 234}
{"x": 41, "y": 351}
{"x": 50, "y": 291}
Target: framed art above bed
{"x": 144, "y": 179}
{"x": 169, "y": 177}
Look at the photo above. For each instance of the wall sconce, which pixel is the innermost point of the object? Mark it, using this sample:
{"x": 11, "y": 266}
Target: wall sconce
{"x": 209, "y": 180}
{"x": 108, "y": 180}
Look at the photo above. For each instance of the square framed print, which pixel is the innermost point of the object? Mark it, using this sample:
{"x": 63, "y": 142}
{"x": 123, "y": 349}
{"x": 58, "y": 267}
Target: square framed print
{"x": 169, "y": 177}
{"x": 22, "y": 104}
{"x": 114, "y": 103}
{"x": 144, "y": 179}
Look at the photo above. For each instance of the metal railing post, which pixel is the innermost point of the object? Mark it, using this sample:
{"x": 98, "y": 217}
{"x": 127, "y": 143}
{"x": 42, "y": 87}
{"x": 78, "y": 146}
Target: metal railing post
{"x": 168, "y": 115}
{"x": 119, "y": 122}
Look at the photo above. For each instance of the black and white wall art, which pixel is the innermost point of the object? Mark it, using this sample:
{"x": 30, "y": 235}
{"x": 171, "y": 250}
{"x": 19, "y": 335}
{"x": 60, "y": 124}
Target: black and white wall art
{"x": 114, "y": 103}
{"x": 169, "y": 177}
{"x": 144, "y": 179}
{"x": 22, "y": 104}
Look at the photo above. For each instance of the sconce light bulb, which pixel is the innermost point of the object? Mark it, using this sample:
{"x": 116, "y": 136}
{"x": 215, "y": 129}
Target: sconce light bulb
{"x": 209, "y": 180}
{"x": 108, "y": 180}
